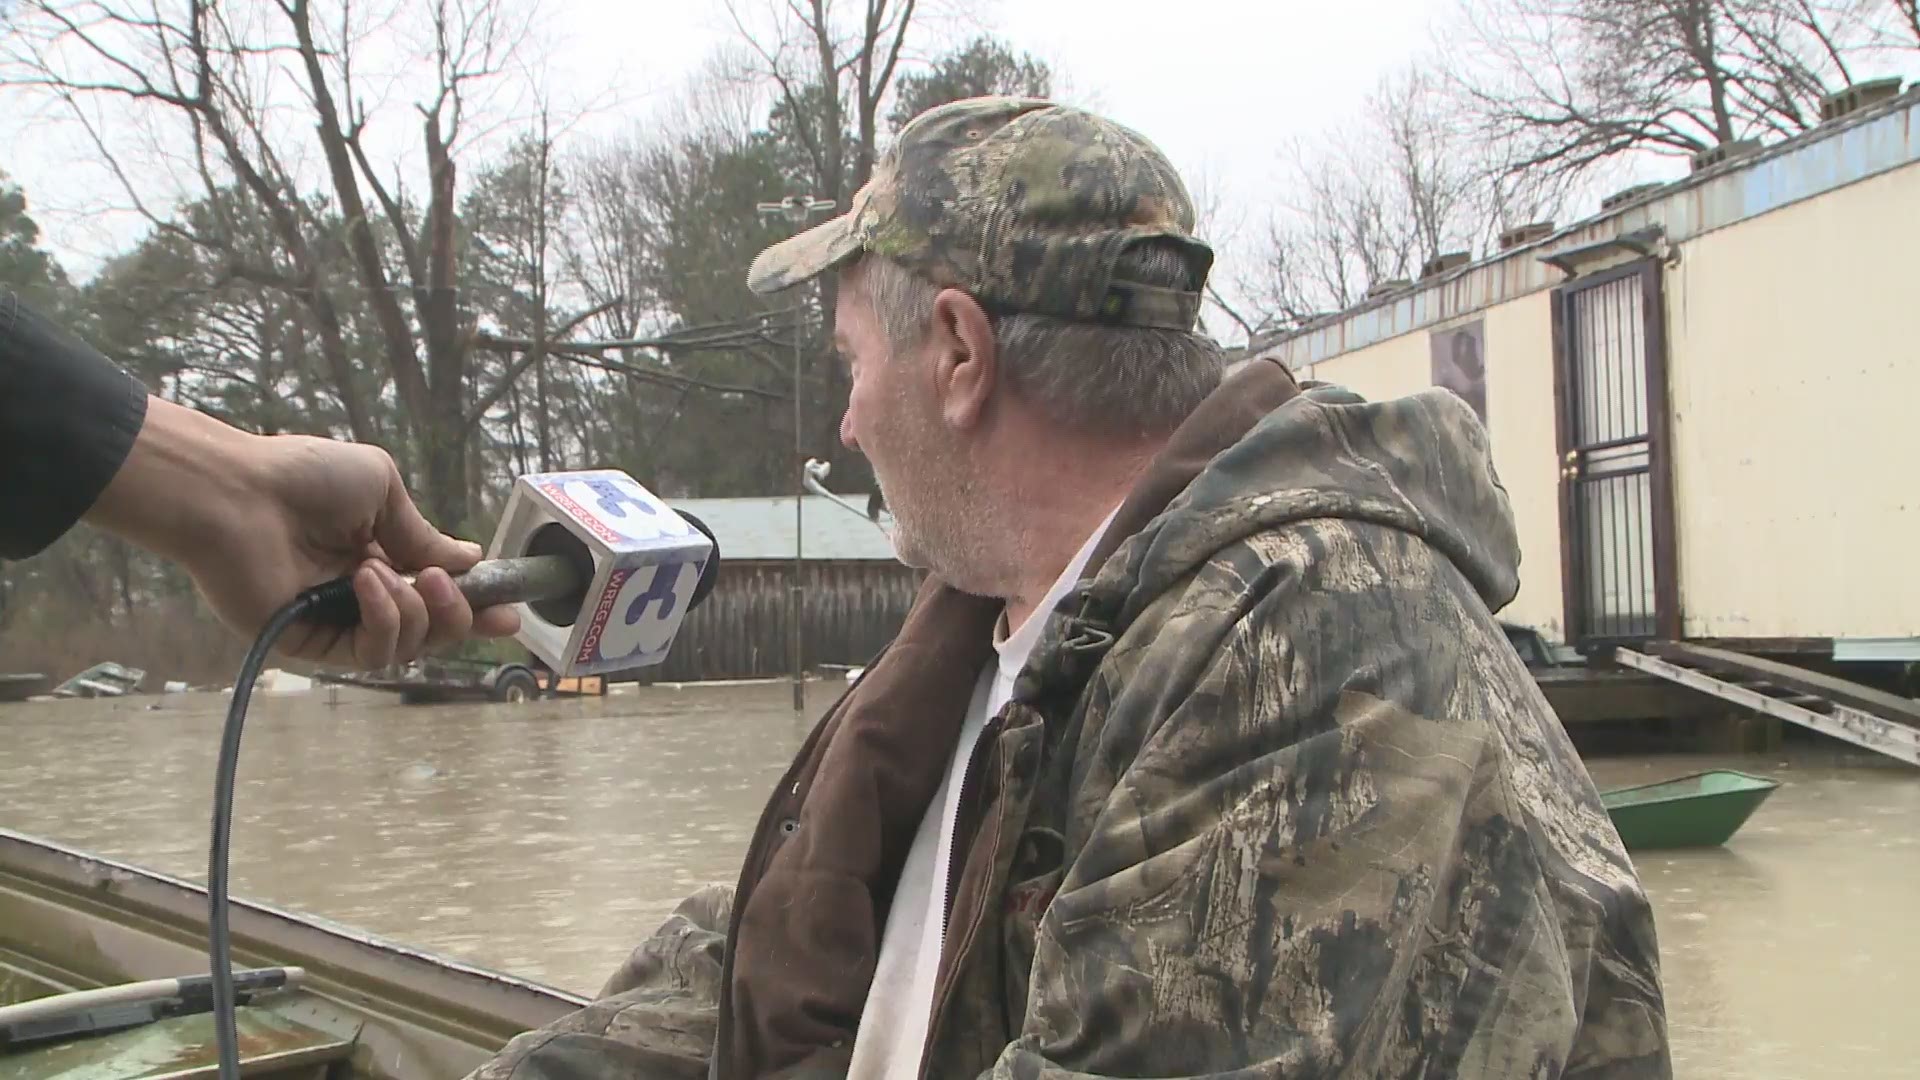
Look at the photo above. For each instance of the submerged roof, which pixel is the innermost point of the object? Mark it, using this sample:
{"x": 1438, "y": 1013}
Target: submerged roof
{"x": 761, "y": 528}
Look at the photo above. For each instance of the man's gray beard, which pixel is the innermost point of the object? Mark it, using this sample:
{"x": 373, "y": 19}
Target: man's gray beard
{"x": 942, "y": 535}
{"x": 908, "y": 545}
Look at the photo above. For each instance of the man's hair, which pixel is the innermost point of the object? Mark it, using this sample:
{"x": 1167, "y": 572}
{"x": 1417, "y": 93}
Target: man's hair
{"x": 1092, "y": 377}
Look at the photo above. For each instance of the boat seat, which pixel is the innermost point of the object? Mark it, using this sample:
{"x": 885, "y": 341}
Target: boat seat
{"x": 274, "y": 1045}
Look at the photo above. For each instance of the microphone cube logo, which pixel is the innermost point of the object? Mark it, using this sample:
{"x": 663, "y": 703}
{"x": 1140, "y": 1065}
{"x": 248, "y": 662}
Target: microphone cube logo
{"x": 647, "y": 561}
{"x": 638, "y": 614}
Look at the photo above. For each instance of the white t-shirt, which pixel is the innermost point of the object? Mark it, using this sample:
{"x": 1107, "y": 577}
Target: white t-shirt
{"x": 893, "y": 1027}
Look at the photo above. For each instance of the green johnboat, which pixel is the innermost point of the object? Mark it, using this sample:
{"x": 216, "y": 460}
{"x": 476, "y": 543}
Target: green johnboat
{"x": 1703, "y": 809}
{"x": 103, "y": 976}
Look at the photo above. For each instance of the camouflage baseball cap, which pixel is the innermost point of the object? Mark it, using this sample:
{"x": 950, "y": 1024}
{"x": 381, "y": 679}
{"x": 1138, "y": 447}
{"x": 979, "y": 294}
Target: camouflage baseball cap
{"x": 1025, "y": 204}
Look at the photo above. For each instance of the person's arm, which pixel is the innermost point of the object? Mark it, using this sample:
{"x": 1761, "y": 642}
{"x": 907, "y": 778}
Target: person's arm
{"x": 68, "y": 418}
{"x": 253, "y": 519}
{"x": 1349, "y": 842}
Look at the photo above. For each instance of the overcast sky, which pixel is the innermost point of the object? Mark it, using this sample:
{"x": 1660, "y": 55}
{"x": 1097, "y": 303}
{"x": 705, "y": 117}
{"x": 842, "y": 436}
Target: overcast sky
{"x": 1219, "y": 84}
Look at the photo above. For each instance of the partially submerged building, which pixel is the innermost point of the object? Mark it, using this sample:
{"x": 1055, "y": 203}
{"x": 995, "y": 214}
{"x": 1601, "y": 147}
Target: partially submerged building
{"x": 854, "y": 593}
{"x": 1700, "y": 400}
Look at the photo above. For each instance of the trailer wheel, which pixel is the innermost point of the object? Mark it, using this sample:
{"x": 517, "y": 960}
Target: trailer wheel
{"x": 516, "y": 686}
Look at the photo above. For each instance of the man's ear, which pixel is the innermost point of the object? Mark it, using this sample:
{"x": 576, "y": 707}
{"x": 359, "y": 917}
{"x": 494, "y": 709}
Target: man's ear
{"x": 966, "y": 364}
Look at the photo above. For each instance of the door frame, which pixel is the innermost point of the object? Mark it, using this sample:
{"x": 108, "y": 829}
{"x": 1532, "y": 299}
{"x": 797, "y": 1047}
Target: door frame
{"x": 1665, "y": 569}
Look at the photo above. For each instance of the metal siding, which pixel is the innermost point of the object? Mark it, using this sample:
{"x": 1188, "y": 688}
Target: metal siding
{"x": 1877, "y": 650}
{"x": 852, "y": 609}
{"x": 1795, "y": 366}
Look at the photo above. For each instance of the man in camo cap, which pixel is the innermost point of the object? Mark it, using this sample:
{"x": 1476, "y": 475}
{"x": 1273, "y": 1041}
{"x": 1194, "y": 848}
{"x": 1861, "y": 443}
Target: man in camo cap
{"x": 1200, "y": 752}
{"x": 1060, "y": 235}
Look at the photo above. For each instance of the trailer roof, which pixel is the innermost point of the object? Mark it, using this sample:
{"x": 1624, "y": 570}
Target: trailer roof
{"x": 760, "y": 528}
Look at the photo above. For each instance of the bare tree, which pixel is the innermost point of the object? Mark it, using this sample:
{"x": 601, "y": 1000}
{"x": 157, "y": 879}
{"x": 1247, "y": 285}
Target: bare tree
{"x": 984, "y": 65}
{"x": 834, "y": 68}
{"x": 1375, "y": 199}
{"x": 217, "y": 69}
{"x": 1892, "y": 24}
{"x": 1570, "y": 84}
{"x": 611, "y": 235}
{"x": 834, "y": 74}
{"x": 510, "y": 216}
{"x": 1222, "y": 232}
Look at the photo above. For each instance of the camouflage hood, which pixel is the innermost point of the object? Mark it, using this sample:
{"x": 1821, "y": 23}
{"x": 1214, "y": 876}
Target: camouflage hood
{"x": 1419, "y": 464}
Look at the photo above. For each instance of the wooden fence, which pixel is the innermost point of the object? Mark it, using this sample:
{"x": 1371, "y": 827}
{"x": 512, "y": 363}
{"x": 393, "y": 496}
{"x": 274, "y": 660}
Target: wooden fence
{"x": 851, "y": 610}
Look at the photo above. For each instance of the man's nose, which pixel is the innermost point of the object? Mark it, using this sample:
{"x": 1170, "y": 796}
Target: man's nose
{"x": 846, "y": 430}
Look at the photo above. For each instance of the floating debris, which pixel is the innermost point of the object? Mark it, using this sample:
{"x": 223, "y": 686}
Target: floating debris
{"x": 102, "y": 680}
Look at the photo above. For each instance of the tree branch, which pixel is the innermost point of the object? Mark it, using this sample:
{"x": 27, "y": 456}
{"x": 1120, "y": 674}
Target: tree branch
{"x": 666, "y": 378}
{"x": 670, "y": 342}
{"x": 1213, "y": 295}
{"x": 397, "y": 335}
{"x": 536, "y": 351}
{"x": 392, "y": 206}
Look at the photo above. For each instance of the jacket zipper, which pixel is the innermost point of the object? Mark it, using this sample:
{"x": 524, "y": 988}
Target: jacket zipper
{"x": 989, "y": 736}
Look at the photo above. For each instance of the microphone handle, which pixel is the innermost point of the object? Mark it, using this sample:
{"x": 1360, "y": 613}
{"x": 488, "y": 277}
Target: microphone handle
{"x": 526, "y": 579}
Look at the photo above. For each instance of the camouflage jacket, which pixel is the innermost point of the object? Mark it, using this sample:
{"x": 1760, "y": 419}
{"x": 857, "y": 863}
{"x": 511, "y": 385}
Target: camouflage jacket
{"x": 1274, "y": 797}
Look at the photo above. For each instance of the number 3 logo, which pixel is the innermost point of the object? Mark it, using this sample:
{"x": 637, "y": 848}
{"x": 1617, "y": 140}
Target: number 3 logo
{"x": 648, "y": 610}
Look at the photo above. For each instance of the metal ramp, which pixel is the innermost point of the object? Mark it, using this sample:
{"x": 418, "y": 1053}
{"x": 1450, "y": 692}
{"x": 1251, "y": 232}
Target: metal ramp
{"x": 1868, "y": 718}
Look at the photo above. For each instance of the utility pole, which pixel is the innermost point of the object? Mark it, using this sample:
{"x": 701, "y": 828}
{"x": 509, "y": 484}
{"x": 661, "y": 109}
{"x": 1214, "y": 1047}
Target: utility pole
{"x": 796, "y": 209}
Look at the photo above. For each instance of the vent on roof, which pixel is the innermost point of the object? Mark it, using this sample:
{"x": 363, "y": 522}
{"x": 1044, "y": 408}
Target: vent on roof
{"x": 1858, "y": 96}
{"x": 1522, "y": 235}
{"x": 1627, "y": 195}
{"x": 1730, "y": 150}
{"x": 1445, "y": 261}
{"x": 1387, "y": 288}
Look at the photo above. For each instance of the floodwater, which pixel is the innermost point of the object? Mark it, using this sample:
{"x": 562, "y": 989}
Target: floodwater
{"x": 547, "y": 839}
{"x": 543, "y": 839}
{"x": 1791, "y": 952}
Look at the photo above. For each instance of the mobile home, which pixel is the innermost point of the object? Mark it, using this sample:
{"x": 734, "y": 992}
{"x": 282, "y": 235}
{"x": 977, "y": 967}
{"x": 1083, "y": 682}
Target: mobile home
{"x": 1701, "y": 400}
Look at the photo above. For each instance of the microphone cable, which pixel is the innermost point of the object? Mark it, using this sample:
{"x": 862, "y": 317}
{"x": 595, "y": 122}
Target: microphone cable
{"x": 332, "y": 602}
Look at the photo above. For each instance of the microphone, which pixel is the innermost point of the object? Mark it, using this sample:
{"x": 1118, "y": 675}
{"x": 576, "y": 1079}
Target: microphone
{"x": 573, "y": 550}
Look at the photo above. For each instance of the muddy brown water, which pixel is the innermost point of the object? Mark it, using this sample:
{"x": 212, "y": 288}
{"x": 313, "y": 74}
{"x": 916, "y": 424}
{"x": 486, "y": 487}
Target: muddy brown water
{"x": 547, "y": 839}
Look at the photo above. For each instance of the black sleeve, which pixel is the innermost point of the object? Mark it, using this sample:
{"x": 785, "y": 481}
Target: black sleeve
{"x": 68, "y": 417}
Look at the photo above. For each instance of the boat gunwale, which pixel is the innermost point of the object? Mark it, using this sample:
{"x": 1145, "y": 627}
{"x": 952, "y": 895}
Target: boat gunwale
{"x": 1764, "y": 785}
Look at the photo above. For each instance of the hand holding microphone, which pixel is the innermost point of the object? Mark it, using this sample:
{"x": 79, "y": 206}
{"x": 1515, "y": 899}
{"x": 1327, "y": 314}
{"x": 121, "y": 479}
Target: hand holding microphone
{"x": 254, "y": 519}
{"x": 602, "y": 570}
